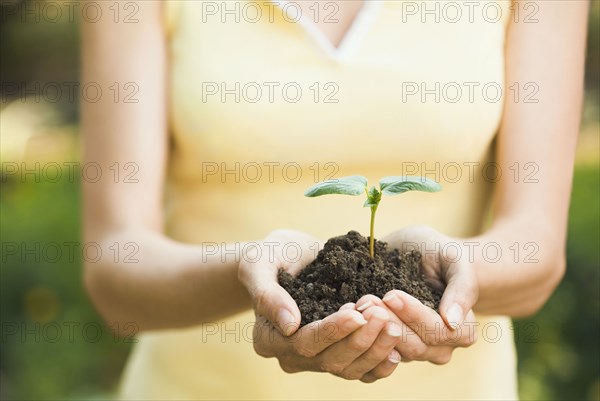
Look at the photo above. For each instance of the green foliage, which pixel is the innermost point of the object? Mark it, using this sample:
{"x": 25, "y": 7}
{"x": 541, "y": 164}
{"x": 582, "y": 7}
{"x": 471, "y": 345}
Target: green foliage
{"x": 356, "y": 185}
{"x": 396, "y": 185}
{"x": 373, "y": 197}
{"x": 54, "y": 345}
{"x": 352, "y": 185}
{"x": 399, "y": 184}
{"x": 558, "y": 350}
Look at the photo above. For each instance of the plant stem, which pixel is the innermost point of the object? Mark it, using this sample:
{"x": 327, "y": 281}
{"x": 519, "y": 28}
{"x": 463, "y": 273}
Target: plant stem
{"x": 372, "y": 232}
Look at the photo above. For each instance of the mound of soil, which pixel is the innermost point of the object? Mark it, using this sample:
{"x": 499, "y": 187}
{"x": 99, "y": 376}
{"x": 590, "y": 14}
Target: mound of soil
{"x": 344, "y": 271}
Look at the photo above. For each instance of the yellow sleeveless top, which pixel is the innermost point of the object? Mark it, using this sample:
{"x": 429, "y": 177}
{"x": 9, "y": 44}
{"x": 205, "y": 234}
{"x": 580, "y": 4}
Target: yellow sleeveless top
{"x": 261, "y": 108}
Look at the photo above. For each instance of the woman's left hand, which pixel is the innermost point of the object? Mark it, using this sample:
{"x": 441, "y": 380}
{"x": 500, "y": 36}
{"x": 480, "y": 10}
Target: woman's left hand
{"x": 424, "y": 336}
{"x": 431, "y": 336}
{"x": 446, "y": 266}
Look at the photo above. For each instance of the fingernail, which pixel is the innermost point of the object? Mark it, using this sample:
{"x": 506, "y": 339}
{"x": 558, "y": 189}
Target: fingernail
{"x": 285, "y": 321}
{"x": 358, "y": 318}
{"x": 347, "y": 306}
{"x": 454, "y": 316}
{"x": 350, "y": 324}
{"x": 394, "y": 357}
{"x": 389, "y": 296}
{"x": 364, "y": 306}
{"x": 394, "y": 300}
{"x": 393, "y": 330}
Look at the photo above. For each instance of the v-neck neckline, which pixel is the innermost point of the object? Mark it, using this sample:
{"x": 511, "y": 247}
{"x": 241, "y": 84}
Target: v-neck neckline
{"x": 358, "y": 28}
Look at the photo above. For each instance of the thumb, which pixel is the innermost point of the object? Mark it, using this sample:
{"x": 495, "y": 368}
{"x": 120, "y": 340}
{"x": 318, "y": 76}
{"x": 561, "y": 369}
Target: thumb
{"x": 275, "y": 304}
{"x": 269, "y": 298}
{"x": 460, "y": 295}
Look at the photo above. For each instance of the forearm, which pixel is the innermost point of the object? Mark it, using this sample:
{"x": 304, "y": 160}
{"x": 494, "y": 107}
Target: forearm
{"x": 542, "y": 134}
{"x": 158, "y": 283}
{"x": 518, "y": 265}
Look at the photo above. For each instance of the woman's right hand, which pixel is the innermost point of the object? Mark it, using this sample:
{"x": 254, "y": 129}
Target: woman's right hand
{"x": 348, "y": 343}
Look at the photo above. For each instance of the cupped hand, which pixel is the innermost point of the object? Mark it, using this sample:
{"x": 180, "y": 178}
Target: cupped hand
{"x": 281, "y": 249}
{"x": 427, "y": 335}
{"x": 347, "y": 343}
{"x": 424, "y": 334}
{"x": 446, "y": 267}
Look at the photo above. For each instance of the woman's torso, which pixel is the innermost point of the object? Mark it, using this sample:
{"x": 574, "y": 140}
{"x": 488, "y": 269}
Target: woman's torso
{"x": 260, "y": 111}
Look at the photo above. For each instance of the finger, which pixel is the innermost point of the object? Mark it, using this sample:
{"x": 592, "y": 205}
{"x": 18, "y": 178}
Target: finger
{"x": 367, "y": 301}
{"x": 348, "y": 306}
{"x": 309, "y": 245}
{"x": 315, "y": 337}
{"x": 417, "y": 320}
{"x": 412, "y": 348}
{"x": 465, "y": 335}
{"x": 423, "y": 320}
{"x": 269, "y": 298}
{"x": 439, "y": 355}
{"x": 341, "y": 354}
{"x": 460, "y": 295}
{"x": 376, "y": 354}
{"x": 266, "y": 339}
{"x": 276, "y": 304}
{"x": 384, "y": 369}
{"x": 371, "y": 300}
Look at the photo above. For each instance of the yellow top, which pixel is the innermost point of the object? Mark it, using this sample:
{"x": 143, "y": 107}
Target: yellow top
{"x": 262, "y": 108}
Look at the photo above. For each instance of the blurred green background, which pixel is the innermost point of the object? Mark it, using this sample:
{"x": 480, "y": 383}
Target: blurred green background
{"x": 70, "y": 354}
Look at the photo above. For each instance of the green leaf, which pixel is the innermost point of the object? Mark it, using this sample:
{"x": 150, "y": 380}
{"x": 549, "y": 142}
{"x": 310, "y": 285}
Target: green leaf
{"x": 373, "y": 197}
{"x": 399, "y": 184}
{"x": 351, "y": 185}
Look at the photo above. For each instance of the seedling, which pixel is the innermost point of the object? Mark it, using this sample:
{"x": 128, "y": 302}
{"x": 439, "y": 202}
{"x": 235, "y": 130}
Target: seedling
{"x": 355, "y": 185}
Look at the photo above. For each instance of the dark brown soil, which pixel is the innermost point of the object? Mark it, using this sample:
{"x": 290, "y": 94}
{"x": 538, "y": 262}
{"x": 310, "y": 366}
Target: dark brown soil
{"x": 344, "y": 271}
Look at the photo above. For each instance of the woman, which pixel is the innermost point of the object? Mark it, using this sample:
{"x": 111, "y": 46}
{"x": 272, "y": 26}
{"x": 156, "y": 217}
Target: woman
{"x": 239, "y": 106}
